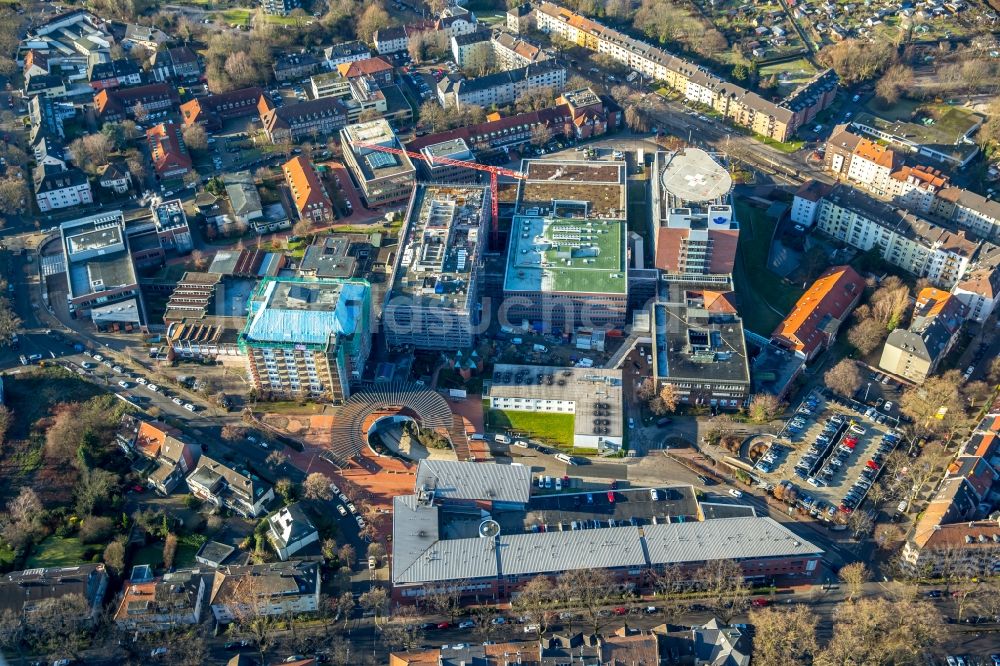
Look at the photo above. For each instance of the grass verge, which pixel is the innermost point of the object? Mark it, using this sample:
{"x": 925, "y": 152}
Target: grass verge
{"x": 56, "y": 552}
{"x": 553, "y": 429}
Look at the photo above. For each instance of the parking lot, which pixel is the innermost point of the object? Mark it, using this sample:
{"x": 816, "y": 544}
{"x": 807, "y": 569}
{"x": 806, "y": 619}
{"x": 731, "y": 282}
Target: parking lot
{"x": 834, "y": 453}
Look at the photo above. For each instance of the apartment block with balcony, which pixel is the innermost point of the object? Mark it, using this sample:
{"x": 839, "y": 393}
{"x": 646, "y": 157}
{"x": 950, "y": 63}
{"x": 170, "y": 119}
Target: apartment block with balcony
{"x": 239, "y": 491}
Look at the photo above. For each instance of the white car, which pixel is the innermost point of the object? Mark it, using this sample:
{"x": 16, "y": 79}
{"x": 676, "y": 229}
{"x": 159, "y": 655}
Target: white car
{"x": 343, "y": 498}
{"x": 119, "y": 369}
{"x": 360, "y": 521}
{"x": 124, "y": 384}
{"x": 141, "y": 380}
{"x": 341, "y": 510}
{"x": 153, "y": 387}
{"x": 158, "y": 652}
{"x": 351, "y": 507}
{"x": 736, "y": 493}
{"x": 334, "y": 489}
{"x": 191, "y": 408}
{"x": 466, "y": 624}
{"x": 520, "y": 443}
{"x": 176, "y": 401}
{"x": 631, "y": 423}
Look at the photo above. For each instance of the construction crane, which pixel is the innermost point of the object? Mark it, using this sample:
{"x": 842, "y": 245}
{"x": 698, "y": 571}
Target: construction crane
{"x": 494, "y": 172}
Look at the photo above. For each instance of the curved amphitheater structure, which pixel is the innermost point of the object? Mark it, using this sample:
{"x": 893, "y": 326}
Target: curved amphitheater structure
{"x": 371, "y": 401}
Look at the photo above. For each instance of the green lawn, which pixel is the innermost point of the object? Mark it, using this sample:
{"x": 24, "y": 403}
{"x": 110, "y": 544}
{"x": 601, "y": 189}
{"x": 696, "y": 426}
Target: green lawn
{"x": 791, "y": 74}
{"x": 554, "y": 429}
{"x": 242, "y": 16}
{"x": 759, "y": 289}
{"x": 792, "y": 146}
{"x": 56, "y": 552}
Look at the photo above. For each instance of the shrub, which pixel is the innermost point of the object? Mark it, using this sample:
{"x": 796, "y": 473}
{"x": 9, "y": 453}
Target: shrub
{"x": 96, "y": 529}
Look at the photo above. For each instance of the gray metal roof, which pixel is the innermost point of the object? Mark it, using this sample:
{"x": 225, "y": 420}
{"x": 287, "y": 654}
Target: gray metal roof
{"x": 451, "y": 560}
{"x": 475, "y": 481}
{"x": 607, "y": 548}
{"x": 723, "y": 539}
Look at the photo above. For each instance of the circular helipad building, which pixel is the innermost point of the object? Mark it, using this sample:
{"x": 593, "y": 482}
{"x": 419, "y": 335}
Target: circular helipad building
{"x": 692, "y": 176}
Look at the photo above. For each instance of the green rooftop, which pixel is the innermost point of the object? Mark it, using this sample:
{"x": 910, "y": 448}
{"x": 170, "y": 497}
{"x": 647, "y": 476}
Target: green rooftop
{"x": 567, "y": 255}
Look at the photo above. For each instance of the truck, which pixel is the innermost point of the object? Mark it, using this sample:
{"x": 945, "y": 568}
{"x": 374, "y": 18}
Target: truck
{"x": 457, "y": 394}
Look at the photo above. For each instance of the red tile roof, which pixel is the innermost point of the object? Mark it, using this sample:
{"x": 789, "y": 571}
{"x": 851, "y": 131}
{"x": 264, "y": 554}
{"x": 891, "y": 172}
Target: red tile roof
{"x": 366, "y": 67}
{"x": 304, "y": 182}
{"x": 167, "y": 148}
{"x": 830, "y": 299}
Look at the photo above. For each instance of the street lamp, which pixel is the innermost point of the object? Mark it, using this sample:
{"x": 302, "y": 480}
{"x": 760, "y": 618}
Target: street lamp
{"x": 867, "y": 390}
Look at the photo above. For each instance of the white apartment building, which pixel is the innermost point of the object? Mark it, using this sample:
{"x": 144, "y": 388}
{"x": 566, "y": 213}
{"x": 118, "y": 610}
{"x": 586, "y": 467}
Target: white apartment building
{"x": 872, "y": 166}
{"x": 903, "y": 239}
{"x": 501, "y": 88}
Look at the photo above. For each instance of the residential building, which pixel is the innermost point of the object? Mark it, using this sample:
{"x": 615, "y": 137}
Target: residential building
{"x": 806, "y": 203}
{"x": 290, "y": 530}
{"x": 813, "y": 323}
{"x": 519, "y": 18}
{"x": 590, "y": 114}
{"x": 456, "y": 20}
{"x": 473, "y": 49}
{"x": 314, "y": 118}
{"x": 956, "y": 534}
{"x": 778, "y": 121}
{"x": 946, "y": 139}
{"x": 239, "y": 491}
{"x": 214, "y": 554}
{"x": 177, "y": 63}
{"x": 60, "y": 187}
{"x": 114, "y": 74}
{"x": 567, "y": 263}
{"x": 345, "y": 52}
{"x": 432, "y": 552}
{"x": 295, "y": 65}
{"x": 696, "y": 232}
{"x": 969, "y": 210}
{"x": 699, "y": 346}
{"x": 213, "y": 110}
{"x": 280, "y": 7}
{"x": 99, "y": 269}
{"x": 123, "y": 103}
{"x": 47, "y": 117}
{"x": 48, "y": 85}
{"x": 979, "y": 289}
{"x": 307, "y": 338}
{"x": 115, "y": 176}
{"x": 244, "y": 199}
{"x": 510, "y": 52}
{"x": 501, "y": 88}
{"x": 592, "y": 395}
{"x": 384, "y": 177}
{"x": 710, "y": 644}
{"x": 312, "y": 203}
{"x": 914, "y": 353}
{"x": 279, "y": 588}
{"x": 49, "y": 152}
{"x": 170, "y": 458}
{"x": 22, "y": 591}
{"x": 397, "y": 38}
{"x": 917, "y": 189}
{"x": 434, "y": 170}
{"x": 166, "y": 148}
{"x": 365, "y": 96}
{"x": 433, "y": 298}
{"x": 376, "y": 68}
{"x": 904, "y": 239}
{"x": 161, "y": 604}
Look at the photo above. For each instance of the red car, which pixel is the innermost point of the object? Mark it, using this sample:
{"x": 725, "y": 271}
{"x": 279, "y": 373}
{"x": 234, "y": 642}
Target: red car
{"x": 872, "y": 464}
{"x": 621, "y": 610}
{"x": 611, "y": 496}
{"x": 850, "y": 441}
{"x": 138, "y": 489}
{"x": 760, "y": 602}
{"x": 845, "y": 509}
{"x": 443, "y": 625}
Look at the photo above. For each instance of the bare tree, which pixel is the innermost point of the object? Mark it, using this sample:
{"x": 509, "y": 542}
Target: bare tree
{"x": 866, "y": 336}
{"x": 195, "y": 137}
{"x": 249, "y": 605}
{"x": 402, "y": 629}
{"x": 880, "y": 631}
{"x": 373, "y": 19}
{"x": 535, "y": 603}
{"x": 316, "y": 487}
{"x": 854, "y": 575}
{"x": 445, "y": 599}
{"x": 376, "y": 601}
{"x": 763, "y": 407}
{"x": 784, "y": 636}
{"x": 844, "y": 378}
{"x": 723, "y": 581}
{"x": 588, "y": 589}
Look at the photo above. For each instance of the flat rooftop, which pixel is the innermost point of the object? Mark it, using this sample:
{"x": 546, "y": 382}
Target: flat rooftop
{"x": 600, "y": 184}
{"x": 692, "y": 342}
{"x": 375, "y": 164}
{"x": 441, "y": 244}
{"x": 453, "y": 148}
{"x": 306, "y": 312}
{"x": 692, "y": 176}
{"x": 945, "y": 131}
{"x": 597, "y": 393}
{"x": 96, "y": 253}
{"x": 581, "y": 255}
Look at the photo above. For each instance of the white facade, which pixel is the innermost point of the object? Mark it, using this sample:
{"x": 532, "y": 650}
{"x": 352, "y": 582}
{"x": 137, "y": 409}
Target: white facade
{"x": 804, "y": 211}
{"x": 873, "y": 176}
{"x": 65, "y": 197}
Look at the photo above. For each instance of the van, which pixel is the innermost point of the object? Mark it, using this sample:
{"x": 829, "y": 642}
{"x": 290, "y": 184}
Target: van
{"x": 501, "y": 439}
{"x": 562, "y": 457}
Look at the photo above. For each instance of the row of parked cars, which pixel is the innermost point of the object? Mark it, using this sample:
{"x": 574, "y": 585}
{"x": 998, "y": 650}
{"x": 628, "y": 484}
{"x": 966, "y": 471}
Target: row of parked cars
{"x": 800, "y": 421}
{"x": 131, "y": 379}
{"x": 346, "y": 505}
{"x": 831, "y": 431}
{"x": 869, "y": 474}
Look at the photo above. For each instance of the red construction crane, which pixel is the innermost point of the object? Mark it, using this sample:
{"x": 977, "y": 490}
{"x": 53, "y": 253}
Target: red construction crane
{"x": 494, "y": 171}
